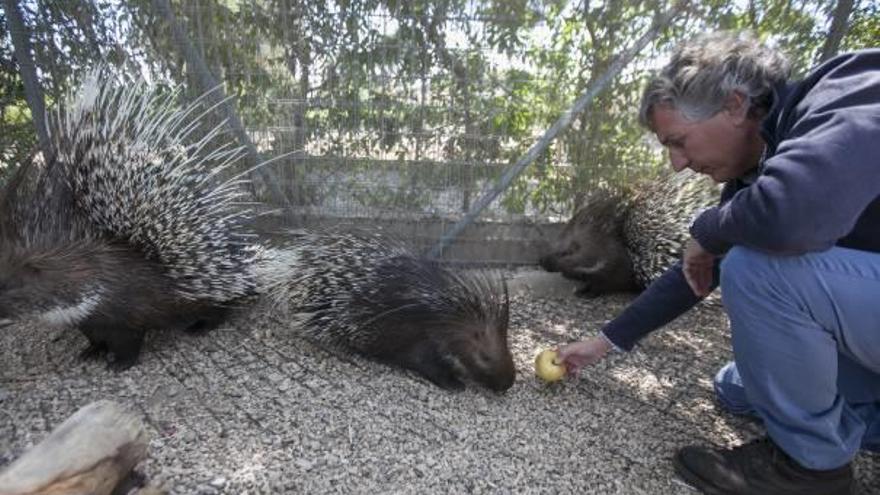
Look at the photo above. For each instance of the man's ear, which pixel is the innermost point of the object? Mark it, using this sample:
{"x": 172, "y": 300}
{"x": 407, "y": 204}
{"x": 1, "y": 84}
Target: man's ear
{"x": 737, "y": 107}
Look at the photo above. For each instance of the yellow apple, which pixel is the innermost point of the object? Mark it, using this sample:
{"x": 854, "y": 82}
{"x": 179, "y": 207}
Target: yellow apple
{"x": 547, "y": 367}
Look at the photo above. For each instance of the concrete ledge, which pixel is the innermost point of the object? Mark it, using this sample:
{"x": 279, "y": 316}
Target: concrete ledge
{"x": 496, "y": 243}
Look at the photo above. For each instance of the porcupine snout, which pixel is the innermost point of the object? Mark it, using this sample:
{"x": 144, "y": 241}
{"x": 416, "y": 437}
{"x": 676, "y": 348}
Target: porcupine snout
{"x": 482, "y": 353}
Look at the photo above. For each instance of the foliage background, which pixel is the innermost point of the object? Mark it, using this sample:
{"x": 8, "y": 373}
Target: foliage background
{"x": 410, "y": 106}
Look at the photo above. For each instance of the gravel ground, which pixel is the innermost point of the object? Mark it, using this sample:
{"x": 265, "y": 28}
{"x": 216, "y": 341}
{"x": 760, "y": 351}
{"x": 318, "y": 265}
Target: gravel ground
{"x": 251, "y": 408}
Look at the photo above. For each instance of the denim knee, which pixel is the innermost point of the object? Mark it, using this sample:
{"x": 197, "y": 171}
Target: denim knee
{"x": 743, "y": 266}
{"x": 745, "y": 274}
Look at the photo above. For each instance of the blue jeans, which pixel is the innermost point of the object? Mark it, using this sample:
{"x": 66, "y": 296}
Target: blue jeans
{"x": 806, "y": 343}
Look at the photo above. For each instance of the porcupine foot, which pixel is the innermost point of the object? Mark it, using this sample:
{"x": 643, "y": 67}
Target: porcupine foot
{"x": 441, "y": 376}
{"x": 97, "y": 345}
{"x": 208, "y": 320}
{"x": 125, "y": 351}
{"x": 93, "y": 351}
{"x": 124, "y": 343}
{"x": 121, "y": 364}
{"x": 587, "y": 292}
{"x": 96, "y": 351}
{"x": 424, "y": 359}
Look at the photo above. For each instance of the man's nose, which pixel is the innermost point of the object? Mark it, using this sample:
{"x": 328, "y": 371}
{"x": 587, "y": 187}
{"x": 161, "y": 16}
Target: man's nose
{"x": 679, "y": 161}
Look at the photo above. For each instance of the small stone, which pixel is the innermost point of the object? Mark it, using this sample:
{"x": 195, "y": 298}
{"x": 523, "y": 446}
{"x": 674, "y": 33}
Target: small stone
{"x": 206, "y": 490}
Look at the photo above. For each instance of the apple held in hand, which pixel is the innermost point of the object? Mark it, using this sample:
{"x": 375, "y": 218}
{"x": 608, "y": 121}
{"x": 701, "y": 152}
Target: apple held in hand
{"x": 547, "y": 367}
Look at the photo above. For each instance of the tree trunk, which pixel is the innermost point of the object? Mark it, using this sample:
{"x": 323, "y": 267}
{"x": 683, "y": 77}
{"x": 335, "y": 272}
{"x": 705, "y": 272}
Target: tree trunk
{"x": 33, "y": 92}
{"x": 89, "y": 453}
{"x": 838, "y": 29}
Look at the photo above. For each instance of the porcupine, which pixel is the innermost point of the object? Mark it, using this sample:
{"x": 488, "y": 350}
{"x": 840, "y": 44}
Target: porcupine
{"x": 623, "y": 238}
{"x": 126, "y": 226}
{"x": 372, "y": 295}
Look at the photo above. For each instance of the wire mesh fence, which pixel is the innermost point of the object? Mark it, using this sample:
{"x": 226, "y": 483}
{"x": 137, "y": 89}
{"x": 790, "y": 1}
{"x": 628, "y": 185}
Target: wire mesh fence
{"x": 389, "y": 113}
{"x": 406, "y": 118}
{"x": 393, "y": 115}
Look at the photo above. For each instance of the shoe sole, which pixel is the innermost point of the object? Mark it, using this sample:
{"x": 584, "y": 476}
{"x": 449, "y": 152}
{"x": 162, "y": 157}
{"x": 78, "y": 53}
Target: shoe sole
{"x": 694, "y": 480}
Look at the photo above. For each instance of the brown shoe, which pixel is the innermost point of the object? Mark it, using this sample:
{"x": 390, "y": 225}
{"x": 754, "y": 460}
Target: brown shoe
{"x": 758, "y": 467}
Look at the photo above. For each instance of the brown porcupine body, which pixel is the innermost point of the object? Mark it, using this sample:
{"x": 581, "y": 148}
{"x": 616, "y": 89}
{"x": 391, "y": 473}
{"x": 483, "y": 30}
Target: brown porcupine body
{"x": 375, "y": 297}
{"x": 109, "y": 292}
{"x": 127, "y": 225}
{"x": 622, "y": 239}
{"x": 591, "y": 248}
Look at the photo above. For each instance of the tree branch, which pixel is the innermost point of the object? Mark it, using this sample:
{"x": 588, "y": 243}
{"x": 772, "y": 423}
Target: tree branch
{"x": 837, "y": 30}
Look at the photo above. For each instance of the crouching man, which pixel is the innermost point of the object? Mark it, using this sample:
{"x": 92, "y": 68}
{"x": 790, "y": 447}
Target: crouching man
{"x": 795, "y": 247}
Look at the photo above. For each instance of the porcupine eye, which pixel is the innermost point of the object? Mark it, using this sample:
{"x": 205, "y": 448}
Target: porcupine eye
{"x": 480, "y": 339}
{"x": 27, "y": 271}
{"x": 18, "y": 278}
{"x": 572, "y": 248}
{"x": 11, "y": 283}
{"x": 480, "y": 345}
{"x": 483, "y": 358}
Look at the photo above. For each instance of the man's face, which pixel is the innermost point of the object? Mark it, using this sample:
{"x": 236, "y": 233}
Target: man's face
{"x": 724, "y": 146}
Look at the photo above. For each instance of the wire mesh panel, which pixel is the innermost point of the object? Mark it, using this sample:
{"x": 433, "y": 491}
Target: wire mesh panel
{"x": 390, "y": 114}
{"x": 395, "y": 114}
{"x": 398, "y": 113}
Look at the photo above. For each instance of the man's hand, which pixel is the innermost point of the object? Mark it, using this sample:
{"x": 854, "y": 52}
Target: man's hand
{"x": 698, "y": 265}
{"x": 584, "y": 353}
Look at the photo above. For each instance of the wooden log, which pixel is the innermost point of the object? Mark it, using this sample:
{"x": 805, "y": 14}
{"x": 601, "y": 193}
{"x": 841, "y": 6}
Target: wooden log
{"x": 88, "y": 454}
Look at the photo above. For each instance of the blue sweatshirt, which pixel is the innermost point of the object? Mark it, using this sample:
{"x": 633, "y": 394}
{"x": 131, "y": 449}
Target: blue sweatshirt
{"x": 817, "y": 186}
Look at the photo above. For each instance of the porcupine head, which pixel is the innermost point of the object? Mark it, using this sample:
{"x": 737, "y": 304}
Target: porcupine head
{"x": 46, "y": 283}
{"x": 480, "y": 346}
{"x": 591, "y": 247}
{"x": 489, "y": 361}
{"x": 445, "y": 324}
{"x": 37, "y": 276}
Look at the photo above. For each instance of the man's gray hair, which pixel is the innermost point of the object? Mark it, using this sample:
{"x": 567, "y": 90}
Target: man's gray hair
{"x": 705, "y": 70}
